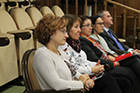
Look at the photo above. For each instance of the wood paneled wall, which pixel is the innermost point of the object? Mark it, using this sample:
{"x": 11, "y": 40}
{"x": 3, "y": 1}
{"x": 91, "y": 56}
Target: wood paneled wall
{"x": 132, "y": 3}
{"x": 130, "y": 15}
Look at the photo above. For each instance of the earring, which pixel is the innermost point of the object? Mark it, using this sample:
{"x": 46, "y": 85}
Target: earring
{"x": 50, "y": 37}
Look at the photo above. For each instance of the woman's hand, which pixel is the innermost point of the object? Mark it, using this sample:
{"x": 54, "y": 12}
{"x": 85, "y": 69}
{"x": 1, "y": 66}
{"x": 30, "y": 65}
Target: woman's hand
{"x": 98, "y": 68}
{"x": 89, "y": 84}
{"x": 111, "y": 58}
{"x": 84, "y": 77}
{"x": 117, "y": 63}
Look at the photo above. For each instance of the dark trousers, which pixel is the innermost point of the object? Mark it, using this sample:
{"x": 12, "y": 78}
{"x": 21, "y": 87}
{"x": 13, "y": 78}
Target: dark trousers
{"x": 133, "y": 62}
{"x": 109, "y": 84}
{"x": 128, "y": 73}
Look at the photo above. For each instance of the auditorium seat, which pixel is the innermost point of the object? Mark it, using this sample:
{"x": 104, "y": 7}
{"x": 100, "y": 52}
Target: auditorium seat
{"x": 11, "y": 4}
{"x": 2, "y": 5}
{"x": 24, "y": 4}
{"x": 23, "y": 38}
{"x": 57, "y": 10}
{"x": 45, "y": 10}
{"x": 21, "y": 18}
{"x": 24, "y": 21}
{"x": 34, "y": 14}
{"x": 8, "y": 57}
{"x": 29, "y": 77}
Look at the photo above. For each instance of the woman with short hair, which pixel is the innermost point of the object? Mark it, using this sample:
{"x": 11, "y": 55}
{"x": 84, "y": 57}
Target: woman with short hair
{"x": 52, "y": 69}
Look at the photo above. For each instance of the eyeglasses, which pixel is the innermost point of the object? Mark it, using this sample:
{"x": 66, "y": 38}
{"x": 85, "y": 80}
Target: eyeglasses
{"x": 64, "y": 31}
{"x": 101, "y": 23}
{"x": 88, "y": 25}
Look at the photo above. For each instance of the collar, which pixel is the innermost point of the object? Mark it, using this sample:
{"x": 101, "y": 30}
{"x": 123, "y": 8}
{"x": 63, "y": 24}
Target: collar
{"x": 106, "y": 29}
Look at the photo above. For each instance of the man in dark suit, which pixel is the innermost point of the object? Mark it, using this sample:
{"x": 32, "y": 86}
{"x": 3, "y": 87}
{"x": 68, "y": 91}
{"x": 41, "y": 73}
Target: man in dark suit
{"x": 110, "y": 37}
{"x": 113, "y": 42}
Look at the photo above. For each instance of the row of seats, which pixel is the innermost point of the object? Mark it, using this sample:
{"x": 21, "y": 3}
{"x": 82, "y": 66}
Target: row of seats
{"x": 16, "y": 37}
{"x": 25, "y": 4}
{"x": 8, "y": 4}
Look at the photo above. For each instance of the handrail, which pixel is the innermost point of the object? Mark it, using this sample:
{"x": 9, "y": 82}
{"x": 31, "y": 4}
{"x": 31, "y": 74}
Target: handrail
{"x": 136, "y": 13}
{"x": 124, "y": 6}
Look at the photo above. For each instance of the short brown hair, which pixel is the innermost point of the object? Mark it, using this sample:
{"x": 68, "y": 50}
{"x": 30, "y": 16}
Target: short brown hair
{"x": 47, "y": 26}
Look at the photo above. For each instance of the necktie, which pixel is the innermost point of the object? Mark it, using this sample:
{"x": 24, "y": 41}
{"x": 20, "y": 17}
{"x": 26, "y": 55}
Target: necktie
{"x": 119, "y": 45}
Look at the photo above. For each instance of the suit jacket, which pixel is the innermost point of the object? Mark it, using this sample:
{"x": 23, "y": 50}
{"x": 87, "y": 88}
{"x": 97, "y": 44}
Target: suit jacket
{"x": 111, "y": 43}
{"x": 93, "y": 53}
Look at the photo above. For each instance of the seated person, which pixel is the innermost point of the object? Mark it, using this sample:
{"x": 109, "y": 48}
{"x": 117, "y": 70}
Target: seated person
{"x": 95, "y": 52}
{"x": 77, "y": 58}
{"x": 100, "y": 53}
{"x": 95, "y": 35}
{"x": 110, "y": 37}
{"x": 52, "y": 70}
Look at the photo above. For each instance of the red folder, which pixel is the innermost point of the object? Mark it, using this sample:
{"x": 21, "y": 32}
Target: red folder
{"x": 123, "y": 56}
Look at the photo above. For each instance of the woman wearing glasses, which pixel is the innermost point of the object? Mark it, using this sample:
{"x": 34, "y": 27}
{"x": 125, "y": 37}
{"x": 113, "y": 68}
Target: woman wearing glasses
{"x": 77, "y": 57}
{"x": 86, "y": 30}
{"x": 52, "y": 70}
{"x": 95, "y": 51}
{"x": 97, "y": 29}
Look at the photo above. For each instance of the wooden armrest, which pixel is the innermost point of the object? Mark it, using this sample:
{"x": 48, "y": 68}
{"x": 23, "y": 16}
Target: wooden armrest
{"x": 12, "y": 3}
{"x": 122, "y": 40}
{"x": 21, "y": 34}
{"x": 25, "y": 3}
{"x": 5, "y": 39}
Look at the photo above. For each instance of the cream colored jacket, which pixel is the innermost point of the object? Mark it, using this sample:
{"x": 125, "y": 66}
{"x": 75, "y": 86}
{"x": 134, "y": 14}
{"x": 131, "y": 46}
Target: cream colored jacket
{"x": 52, "y": 72}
